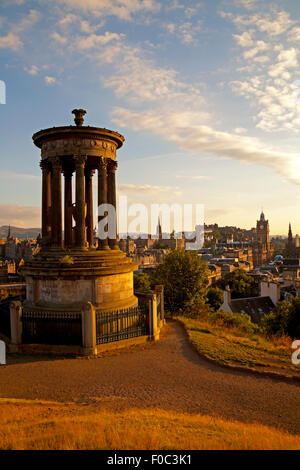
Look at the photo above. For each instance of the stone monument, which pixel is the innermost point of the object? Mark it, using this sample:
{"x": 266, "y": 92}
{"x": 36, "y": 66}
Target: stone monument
{"x": 70, "y": 270}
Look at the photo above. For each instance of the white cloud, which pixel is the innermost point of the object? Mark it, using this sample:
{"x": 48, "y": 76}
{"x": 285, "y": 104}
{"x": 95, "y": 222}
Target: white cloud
{"x": 144, "y": 188}
{"x": 86, "y": 27}
{"x": 268, "y": 76}
{"x": 261, "y": 59}
{"x": 240, "y": 130}
{"x": 33, "y": 70}
{"x": 248, "y": 4}
{"x": 186, "y": 130}
{"x": 94, "y": 40}
{"x": 186, "y": 32}
{"x": 138, "y": 79}
{"x": 294, "y": 34}
{"x": 11, "y": 41}
{"x": 193, "y": 177}
{"x": 123, "y": 9}
{"x": 244, "y": 39}
{"x": 273, "y": 24}
{"x": 192, "y": 10}
{"x": 27, "y": 22}
{"x": 68, "y": 19}
{"x": 59, "y": 38}
{"x": 50, "y": 80}
{"x": 20, "y": 216}
{"x": 258, "y": 47}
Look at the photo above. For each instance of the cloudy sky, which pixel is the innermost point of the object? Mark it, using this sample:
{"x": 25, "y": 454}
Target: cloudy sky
{"x": 206, "y": 93}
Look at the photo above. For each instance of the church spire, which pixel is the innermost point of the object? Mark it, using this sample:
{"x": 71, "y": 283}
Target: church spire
{"x": 159, "y": 231}
{"x": 290, "y": 236}
{"x": 9, "y": 233}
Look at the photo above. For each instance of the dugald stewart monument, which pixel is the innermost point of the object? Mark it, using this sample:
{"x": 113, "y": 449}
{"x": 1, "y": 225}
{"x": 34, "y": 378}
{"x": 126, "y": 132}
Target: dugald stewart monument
{"x": 77, "y": 287}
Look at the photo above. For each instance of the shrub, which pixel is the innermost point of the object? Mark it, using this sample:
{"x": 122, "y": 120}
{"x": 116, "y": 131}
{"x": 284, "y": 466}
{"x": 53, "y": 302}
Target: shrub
{"x": 234, "y": 320}
{"x": 215, "y": 297}
{"x": 66, "y": 260}
{"x": 142, "y": 282}
{"x": 284, "y": 320}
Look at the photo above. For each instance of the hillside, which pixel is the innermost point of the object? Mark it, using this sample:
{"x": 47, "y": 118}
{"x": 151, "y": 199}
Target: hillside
{"x": 18, "y": 232}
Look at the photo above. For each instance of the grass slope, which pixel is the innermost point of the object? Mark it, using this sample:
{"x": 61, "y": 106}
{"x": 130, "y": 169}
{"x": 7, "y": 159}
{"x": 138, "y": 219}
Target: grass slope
{"x": 29, "y": 424}
{"x": 233, "y": 346}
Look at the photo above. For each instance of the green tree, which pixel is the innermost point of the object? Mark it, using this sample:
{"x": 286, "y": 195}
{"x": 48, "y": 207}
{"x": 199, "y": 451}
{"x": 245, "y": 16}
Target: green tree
{"x": 215, "y": 297}
{"x": 142, "y": 282}
{"x": 185, "y": 278}
{"x": 239, "y": 282}
{"x": 285, "y": 319}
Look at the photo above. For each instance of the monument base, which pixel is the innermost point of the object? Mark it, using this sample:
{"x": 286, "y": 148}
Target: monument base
{"x": 64, "y": 280}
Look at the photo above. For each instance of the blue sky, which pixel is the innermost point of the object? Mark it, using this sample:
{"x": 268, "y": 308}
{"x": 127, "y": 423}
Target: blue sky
{"x": 206, "y": 94}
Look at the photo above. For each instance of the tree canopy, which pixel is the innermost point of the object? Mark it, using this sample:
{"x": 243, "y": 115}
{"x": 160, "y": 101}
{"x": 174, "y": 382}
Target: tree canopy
{"x": 185, "y": 278}
{"x": 239, "y": 282}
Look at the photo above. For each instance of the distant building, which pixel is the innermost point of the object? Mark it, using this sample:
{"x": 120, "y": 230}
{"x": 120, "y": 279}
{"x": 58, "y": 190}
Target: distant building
{"x": 255, "y": 307}
{"x": 290, "y": 248}
{"x": 262, "y": 248}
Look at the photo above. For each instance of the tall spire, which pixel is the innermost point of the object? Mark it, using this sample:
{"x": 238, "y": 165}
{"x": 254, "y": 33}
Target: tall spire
{"x": 9, "y": 233}
{"x": 159, "y": 231}
{"x": 290, "y": 236}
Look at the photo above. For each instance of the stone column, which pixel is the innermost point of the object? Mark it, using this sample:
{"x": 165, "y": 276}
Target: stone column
{"x": 102, "y": 196}
{"x": 46, "y": 202}
{"x": 88, "y": 319}
{"x": 56, "y": 208}
{"x": 112, "y": 167}
{"x": 68, "y": 208}
{"x": 80, "y": 201}
{"x": 89, "y": 173}
{"x": 153, "y": 330}
{"x": 15, "y": 325}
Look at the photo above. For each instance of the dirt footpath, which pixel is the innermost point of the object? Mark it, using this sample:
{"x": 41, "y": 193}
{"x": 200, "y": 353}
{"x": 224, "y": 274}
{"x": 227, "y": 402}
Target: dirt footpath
{"x": 168, "y": 374}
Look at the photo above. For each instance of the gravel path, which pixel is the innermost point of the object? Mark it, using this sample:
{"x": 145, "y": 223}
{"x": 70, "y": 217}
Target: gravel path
{"x": 168, "y": 374}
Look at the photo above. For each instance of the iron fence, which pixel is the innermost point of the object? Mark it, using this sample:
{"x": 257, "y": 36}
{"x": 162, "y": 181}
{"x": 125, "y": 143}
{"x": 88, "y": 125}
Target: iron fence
{"x": 5, "y": 318}
{"x": 56, "y": 328}
{"x": 122, "y": 324}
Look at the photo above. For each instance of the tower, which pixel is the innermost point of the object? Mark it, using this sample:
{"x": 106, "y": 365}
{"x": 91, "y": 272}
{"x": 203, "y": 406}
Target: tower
{"x": 159, "y": 230}
{"x": 263, "y": 231}
{"x": 9, "y": 237}
{"x": 262, "y": 249}
{"x": 290, "y": 249}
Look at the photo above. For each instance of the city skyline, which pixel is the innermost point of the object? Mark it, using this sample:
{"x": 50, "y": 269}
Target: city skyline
{"x": 205, "y": 94}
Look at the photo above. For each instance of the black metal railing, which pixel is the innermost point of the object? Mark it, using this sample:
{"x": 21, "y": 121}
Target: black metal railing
{"x": 58, "y": 328}
{"x": 5, "y": 317}
{"x": 122, "y": 324}
{"x": 158, "y": 306}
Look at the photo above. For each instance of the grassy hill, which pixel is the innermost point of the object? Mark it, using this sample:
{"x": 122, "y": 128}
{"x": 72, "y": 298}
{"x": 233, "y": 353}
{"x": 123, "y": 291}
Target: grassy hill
{"x": 237, "y": 346}
{"x": 18, "y": 232}
{"x": 27, "y": 424}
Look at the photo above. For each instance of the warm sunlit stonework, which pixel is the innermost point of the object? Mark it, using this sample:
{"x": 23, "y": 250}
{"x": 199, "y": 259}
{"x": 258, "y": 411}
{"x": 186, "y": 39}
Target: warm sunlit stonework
{"x": 70, "y": 270}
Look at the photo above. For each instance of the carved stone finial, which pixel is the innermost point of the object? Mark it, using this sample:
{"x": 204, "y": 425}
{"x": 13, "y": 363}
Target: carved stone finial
{"x": 79, "y": 113}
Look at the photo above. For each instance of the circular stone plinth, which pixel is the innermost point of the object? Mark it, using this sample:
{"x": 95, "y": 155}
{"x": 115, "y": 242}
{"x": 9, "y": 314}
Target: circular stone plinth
{"x": 62, "y": 279}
